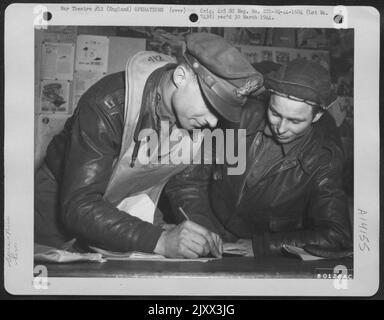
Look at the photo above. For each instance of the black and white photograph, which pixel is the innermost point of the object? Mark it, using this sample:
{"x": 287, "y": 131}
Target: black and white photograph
{"x": 209, "y": 152}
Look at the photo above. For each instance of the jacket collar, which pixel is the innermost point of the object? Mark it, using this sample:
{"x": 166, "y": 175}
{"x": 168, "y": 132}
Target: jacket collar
{"x": 160, "y": 112}
{"x": 152, "y": 112}
{"x": 306, "y": 148}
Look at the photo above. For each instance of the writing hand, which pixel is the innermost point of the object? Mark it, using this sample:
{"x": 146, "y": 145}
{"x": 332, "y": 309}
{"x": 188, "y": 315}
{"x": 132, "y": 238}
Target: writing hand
{"x": 188, "y": 240}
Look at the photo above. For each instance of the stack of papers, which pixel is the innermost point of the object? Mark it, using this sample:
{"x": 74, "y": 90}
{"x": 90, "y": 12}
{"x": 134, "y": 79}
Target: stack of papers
{"x": 142, "y": 256}
{"x": 233, "y": 249}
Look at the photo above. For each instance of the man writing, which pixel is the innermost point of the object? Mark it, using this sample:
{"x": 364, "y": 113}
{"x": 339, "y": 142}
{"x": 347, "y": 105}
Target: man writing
{"x": 291, "y": 192}
{"x": 93, "y": 164}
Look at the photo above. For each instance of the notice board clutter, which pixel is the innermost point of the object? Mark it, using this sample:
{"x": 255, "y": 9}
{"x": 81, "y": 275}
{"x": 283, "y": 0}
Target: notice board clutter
{"x": 70, "y": 59}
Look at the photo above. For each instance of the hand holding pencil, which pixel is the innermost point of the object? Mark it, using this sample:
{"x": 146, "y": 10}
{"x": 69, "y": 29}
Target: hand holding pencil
{"x": 189, "y": 240}
{"x": 218, "y": 243}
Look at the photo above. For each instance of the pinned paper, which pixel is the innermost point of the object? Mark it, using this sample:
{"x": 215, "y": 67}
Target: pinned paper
{"x": 57, "y": 61}
{"x": 54, "y": 96}
{"x": 92, "y": 53}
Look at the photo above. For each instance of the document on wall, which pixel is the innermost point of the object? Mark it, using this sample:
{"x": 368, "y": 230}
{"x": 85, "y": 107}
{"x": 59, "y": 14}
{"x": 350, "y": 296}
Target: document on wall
{"x": 92, "y": 53}
{"x": 54, "y": 96}
{"x": 57, "y": 61}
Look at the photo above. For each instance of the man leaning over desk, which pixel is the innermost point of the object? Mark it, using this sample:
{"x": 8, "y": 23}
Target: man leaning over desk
{"x": 291, "y": 191}
{"x": 93, "y": 164}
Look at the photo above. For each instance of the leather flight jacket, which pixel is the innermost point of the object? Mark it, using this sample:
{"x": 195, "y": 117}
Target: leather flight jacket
{"x": 82, "y": 158}
{"x": 299, "y": 201}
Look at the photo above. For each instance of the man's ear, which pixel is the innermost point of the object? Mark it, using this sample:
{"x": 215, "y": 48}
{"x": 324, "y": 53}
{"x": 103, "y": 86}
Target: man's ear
{"x": 317, "y": 116}
{"x": 179, "y": 76}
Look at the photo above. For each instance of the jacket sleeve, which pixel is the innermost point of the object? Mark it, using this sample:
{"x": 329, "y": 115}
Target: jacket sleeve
{"x": 94, "y": 143}
{"x": 189, "y": 190}
{"x": 327, "y": 213}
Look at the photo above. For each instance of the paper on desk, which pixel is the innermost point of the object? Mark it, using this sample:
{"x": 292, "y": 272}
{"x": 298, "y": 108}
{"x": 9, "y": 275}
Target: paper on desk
{"x": 44, "y": 253}
{"x": 135, "y": 255}
{"x": 300, "y": 252}
{"x": 233, "y": 248}
{"x": 140, "y": 206}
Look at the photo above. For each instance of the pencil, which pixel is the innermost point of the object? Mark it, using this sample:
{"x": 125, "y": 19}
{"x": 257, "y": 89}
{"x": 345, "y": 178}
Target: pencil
{"x": 183, "y": 212}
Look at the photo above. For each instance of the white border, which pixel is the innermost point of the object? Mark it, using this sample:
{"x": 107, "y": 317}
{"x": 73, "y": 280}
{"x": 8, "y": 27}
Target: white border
{"x": 19, "y": 147}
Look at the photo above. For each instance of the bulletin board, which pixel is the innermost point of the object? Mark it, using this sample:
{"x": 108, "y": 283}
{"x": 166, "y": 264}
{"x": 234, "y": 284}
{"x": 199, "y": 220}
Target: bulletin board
{"x": 67, "y": 64}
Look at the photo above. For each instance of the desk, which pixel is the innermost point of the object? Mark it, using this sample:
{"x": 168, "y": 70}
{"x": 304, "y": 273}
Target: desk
{"x": 230, "y": 267}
